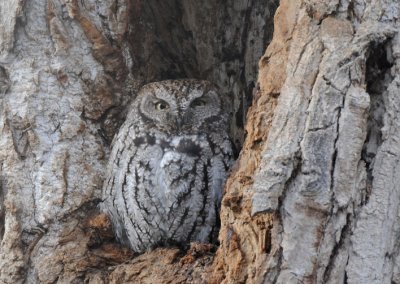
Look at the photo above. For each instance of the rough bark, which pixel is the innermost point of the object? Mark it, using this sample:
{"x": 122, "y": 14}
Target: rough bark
{"x": 315, "y": 196}
{"x": 68, "y": 68}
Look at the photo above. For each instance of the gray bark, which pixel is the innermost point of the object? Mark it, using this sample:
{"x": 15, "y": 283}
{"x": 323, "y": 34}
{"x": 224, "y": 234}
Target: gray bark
{"x": 327, "y": 181}
{"x": 315, "y": 194}
{"x": 67, "y": 71}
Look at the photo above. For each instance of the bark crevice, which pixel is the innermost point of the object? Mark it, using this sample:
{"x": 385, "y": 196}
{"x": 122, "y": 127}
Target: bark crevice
{"x": 339, "y": 245}
{"x": 377, "y": 78}
{"x": 2, "y": 205}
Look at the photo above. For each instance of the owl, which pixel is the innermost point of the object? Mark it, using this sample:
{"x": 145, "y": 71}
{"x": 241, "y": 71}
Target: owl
{"x": 168, "y": 165}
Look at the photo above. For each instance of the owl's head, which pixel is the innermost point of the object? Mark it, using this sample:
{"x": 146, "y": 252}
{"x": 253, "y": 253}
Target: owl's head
{"x": 181, "y": 106}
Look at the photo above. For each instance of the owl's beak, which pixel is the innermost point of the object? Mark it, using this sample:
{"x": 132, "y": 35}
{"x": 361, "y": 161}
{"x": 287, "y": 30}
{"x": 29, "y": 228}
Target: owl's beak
{"x": 179, "y": 122}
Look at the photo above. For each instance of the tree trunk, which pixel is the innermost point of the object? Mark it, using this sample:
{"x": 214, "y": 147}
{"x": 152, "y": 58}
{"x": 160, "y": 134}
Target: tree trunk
{"x": 314, "y": 194}
{"x": 315, "y": 197}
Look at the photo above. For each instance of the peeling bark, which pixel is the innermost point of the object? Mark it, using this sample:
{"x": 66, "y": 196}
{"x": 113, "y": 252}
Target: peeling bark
{"x": 325, "y": 179}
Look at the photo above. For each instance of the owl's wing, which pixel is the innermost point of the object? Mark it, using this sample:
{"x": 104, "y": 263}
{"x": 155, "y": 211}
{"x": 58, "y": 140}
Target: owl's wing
{"x": 114, "y": 203}
{"x": 129, "y": 188}
{"x": 214, "y": 170}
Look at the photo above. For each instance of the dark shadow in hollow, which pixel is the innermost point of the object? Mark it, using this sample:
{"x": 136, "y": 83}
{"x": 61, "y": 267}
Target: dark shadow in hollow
{"x": 377, "y": 78}
{"x": 219, "y": 41}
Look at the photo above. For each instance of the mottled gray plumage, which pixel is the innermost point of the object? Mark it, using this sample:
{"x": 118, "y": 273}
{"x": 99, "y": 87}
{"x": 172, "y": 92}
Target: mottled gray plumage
{"x": 168, "y": 165}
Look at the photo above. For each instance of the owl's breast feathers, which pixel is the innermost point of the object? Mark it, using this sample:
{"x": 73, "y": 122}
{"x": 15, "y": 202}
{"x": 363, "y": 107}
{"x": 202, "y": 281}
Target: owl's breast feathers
{"x": 166, "y": 189}
{"x": 179, "y": 167}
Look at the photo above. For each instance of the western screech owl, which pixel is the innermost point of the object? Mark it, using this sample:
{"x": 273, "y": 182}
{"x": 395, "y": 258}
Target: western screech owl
{"x": 168, "y": 165}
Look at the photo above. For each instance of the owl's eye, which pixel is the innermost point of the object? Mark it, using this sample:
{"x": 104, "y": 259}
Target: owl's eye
{"x": 161, "y": 105}
{"x": 198, "y": 102}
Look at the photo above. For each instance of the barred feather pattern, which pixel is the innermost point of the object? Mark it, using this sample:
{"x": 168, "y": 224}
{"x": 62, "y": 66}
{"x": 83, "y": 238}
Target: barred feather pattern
{"x": 168, "y": 166}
